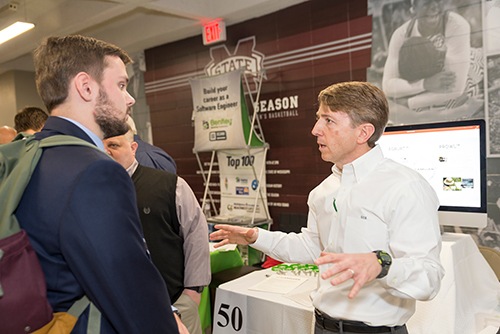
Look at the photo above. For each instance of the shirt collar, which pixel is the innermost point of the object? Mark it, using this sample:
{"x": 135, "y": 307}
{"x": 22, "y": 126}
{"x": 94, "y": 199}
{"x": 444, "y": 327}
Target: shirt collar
{"x": 132, "y": 168}
{"x": 337, "y": 172}
{"x": 364, "y": 164}
{"x": 97, "y": 141}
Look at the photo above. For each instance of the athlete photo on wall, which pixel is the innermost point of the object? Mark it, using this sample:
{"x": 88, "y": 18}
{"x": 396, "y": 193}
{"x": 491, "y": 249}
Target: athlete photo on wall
{"x": 427, "y": 57}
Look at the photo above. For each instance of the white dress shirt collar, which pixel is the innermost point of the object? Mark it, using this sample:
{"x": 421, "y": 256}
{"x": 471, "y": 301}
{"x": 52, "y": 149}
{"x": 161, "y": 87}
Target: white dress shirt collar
{"x": 363, "y": 165}
{"x": 131, "y": 169}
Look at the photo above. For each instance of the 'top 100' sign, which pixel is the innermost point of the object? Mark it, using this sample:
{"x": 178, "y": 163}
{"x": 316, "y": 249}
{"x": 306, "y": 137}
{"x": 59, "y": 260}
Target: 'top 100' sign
{"x": 213, "y": 32}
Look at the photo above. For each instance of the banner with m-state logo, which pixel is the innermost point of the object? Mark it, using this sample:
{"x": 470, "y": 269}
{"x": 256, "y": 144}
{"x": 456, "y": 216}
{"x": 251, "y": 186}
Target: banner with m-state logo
{"x": 220, "y": 113}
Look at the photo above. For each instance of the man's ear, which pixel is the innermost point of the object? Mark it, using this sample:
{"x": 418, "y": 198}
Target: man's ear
{"x": 134, "y": 146}
{"x": 84, "y": 86}
{"x": 366, "y": 131}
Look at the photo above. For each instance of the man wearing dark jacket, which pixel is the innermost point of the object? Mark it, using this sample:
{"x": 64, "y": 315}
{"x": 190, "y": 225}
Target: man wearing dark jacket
{"x": 79, "y": 207}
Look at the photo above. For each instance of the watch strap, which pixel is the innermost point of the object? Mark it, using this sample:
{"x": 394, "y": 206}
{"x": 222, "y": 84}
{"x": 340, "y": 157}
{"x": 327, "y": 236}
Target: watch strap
{"x": 385, "y": 261}
{"x": 198, "y": 289}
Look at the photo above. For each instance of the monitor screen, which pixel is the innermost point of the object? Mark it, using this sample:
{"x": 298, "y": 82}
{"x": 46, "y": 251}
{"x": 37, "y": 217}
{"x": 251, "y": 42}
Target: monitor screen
{"x": 451, "y": 156}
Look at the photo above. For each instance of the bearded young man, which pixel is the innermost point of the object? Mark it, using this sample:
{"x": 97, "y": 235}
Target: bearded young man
{"x": 79, "y": 208}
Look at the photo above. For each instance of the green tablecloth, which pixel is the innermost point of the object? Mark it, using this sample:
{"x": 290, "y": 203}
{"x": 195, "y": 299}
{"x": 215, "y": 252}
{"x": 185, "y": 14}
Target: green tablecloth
{"x": 219, "y": 260}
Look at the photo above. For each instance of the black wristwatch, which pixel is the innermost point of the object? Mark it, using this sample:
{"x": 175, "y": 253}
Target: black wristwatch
{"x": 198, "y": 289}
{"x": 385, "y": 261}
{"x": 178, "y": 313}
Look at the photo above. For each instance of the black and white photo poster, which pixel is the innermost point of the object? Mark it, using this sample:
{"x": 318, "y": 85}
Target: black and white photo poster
{"x": 427, "y": 56}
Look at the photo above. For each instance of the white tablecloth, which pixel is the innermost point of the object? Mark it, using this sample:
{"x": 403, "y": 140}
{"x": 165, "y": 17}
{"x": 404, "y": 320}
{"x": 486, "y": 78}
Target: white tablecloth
{"x": 469, "y": 287}
{"x": 261, "y": 312}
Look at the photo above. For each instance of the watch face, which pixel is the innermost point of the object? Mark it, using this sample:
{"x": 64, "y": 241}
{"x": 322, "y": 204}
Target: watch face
{"x": 385, "y": 257}
{"x": 385, "y": 261}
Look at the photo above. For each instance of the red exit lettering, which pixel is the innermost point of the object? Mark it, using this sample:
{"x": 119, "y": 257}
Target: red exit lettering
{"x": 213, "y": 32}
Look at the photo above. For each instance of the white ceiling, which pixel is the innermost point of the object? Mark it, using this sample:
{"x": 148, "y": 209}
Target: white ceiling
{"x": 133, "y": 25}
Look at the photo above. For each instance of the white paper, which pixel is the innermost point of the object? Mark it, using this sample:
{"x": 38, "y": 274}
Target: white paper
{"x": 278, "y": 284}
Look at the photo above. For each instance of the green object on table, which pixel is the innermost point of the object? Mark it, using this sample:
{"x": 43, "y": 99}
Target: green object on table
{"x": 219, "y": 260}
{"x": 222, "y": 260}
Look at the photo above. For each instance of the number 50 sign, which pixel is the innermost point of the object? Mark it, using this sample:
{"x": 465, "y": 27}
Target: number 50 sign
{"x": 230, "y": 313}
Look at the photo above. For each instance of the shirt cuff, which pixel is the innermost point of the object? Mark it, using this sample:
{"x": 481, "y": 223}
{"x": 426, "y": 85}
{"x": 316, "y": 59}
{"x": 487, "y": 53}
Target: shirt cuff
{"x": 264, "y": 239}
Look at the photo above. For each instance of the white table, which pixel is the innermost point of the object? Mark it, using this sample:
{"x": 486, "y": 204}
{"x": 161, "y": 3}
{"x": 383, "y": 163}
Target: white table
{"x": 469, "y": 287}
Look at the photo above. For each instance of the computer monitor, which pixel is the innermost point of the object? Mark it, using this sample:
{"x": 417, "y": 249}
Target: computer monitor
{"x": 451, "y": 156}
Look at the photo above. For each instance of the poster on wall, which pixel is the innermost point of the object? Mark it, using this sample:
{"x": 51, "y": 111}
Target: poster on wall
{"x": 427, "y": 57}
{"x": 493, "y": 65}
{"x": 220, "y": 114}
{"x": 492, "y": 47}
{"x": 240, "y": 175}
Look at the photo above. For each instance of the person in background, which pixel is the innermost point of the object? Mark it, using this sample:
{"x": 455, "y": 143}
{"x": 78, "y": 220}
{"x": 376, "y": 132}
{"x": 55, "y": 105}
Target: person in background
{"x": 7, "y": 134}
{"x": 151, "y": 156}
{"x": 79, "y": 208}
{"x": 30, "y": 120}
{"x": 441, "y": 88}
{"x": 372, "y": 226}
{"x": 174, "y": 227}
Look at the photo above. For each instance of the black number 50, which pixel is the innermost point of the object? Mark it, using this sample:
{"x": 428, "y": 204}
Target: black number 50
{"x": 236, "y": 317}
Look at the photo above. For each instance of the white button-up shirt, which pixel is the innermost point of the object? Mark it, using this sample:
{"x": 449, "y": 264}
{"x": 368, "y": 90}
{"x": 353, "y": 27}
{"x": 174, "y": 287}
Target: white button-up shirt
{"x": 373, "y": 204}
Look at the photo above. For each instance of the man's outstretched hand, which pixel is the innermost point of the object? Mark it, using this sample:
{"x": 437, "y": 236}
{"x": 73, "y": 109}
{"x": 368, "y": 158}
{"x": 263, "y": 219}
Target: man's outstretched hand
{"x": 234, "y": 235}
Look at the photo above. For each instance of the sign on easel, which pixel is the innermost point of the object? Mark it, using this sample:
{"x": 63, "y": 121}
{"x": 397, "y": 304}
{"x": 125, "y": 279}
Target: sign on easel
{"x": 240, "y": 175}
{"x": 219, "y": 106}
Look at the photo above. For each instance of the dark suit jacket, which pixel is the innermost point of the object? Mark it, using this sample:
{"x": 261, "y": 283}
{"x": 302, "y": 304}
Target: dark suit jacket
{"x": 153, "y": 157}
{"x": 80, "y": 213}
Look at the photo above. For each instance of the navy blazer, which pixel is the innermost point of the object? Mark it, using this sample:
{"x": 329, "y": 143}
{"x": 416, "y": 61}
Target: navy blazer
{"x": 80, "y": 213}
{"x": 153, "y": 157}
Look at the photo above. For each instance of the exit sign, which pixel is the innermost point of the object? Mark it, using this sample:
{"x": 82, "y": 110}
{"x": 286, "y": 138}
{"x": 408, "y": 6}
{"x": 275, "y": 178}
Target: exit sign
{"x": 213, "y": 32}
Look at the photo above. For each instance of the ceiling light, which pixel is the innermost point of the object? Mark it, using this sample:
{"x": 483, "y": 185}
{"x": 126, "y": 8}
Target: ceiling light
{"x": 14, "y": 30}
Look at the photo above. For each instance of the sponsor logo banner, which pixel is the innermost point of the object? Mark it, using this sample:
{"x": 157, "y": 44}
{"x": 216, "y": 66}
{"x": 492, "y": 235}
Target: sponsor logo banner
{"x": 239, "y": 172}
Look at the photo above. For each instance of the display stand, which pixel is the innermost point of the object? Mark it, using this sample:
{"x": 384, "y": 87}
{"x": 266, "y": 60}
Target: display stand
{"x": 224, "y": 127}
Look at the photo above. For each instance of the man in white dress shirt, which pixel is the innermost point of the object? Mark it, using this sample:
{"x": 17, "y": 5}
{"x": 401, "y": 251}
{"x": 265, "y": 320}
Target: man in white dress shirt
{"x": 372, "y": 227}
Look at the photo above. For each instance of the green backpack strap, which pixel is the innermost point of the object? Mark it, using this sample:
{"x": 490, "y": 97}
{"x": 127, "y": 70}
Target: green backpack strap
{"x": 18, "y": 160}
{"x": 94, "y": 323}
{"x": 64, "y": 140}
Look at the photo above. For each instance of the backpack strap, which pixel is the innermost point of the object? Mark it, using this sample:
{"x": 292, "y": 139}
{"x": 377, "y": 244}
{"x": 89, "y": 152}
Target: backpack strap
{"x": 65, "y": 140}
{"x": 79, "y": 306}
{"x": 94, "y": 323}
{"x": 18, "y": 160}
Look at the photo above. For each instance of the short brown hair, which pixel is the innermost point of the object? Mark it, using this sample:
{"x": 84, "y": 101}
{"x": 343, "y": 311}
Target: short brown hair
{"x": 363, "y": 102}
{"x": 59, "y": 59}
{"x": 30, "y": 118}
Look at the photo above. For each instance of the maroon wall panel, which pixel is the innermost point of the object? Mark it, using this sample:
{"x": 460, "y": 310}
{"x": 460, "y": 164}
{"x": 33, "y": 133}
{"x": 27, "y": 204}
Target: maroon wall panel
{"x": 305, "y": 48}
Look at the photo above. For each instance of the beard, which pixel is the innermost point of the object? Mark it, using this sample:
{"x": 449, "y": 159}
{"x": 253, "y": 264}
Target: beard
{"x": 105, "y": 111}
